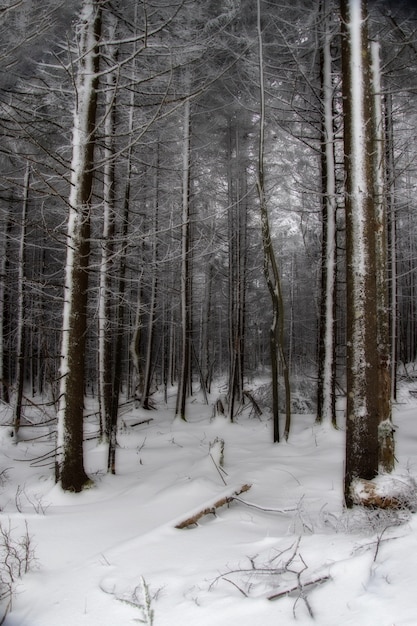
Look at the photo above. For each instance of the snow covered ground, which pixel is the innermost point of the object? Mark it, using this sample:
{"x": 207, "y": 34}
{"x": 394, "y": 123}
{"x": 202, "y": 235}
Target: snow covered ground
{"x": 112, "y": 555}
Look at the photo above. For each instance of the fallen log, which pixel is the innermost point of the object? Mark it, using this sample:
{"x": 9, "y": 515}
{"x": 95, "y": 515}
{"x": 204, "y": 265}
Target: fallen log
{"x": 148, "y": 421}
{"x": 385, "y": 492}
{"x": 193, "y": 520}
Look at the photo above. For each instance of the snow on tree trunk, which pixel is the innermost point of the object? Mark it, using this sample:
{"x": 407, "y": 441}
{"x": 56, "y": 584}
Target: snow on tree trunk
{"x": 70, "y": 463}
{"x": 270, "y": 267}
{"x": 362, "y": 358}
{"x": 105, "y": 338}
{"x": 326, "y": 406}
{"x": 386, "y": 431}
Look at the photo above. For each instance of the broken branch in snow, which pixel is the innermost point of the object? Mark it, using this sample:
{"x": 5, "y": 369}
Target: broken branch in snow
{"x": 193, "y": 520}
{"x": 256, "y": 408}
{"x": 148, "y": 421}
{"x": 300, "y": 587}
{"x": 266, "y": 509}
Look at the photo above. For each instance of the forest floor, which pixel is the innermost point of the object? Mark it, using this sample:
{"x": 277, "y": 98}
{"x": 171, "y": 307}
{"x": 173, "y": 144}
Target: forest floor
{"x": 284, "y": 551}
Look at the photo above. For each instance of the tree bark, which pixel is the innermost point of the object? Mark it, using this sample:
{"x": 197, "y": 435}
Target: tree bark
{"x": 105, "y": 335}
{"x": 70, "y": 462}
{"x": 185, "y": 363}
{"x": 271, "y": 271}
{"x": 326, "y": 396}
{"x": 385, "y": 429}
{"x": 362, "y": 356}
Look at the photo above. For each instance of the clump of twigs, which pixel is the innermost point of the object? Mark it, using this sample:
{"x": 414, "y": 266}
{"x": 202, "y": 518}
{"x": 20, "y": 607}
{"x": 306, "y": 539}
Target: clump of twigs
{"x": 281, "y": 575}
{"x": 17, "y": 557}
{"x": 141, "y": 599}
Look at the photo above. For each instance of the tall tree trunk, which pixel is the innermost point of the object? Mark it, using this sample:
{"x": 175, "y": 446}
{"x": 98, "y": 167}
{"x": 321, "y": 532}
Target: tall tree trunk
{"x": 105, "y": 335}
{"x": 70, "y": 462}
{"x": 185, "y": 364}
{"x": 392, "y": 237}
{"x": 326, "y": 396}
{"x": 150, "y": 344}
{"x": 270, "y": 268}
{"x": 237, "y": 232}
{"x": 120, "y": 320}
{"x": 385, "y": 429}
{"x": 362, "y": 356}
{"x": 21, "y": 326}
{"x": 5, "y": 318}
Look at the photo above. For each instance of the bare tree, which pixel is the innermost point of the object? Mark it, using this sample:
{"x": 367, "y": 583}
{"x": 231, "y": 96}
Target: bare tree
{"x": 270, "y": 267}
{"x": 326, "y": 396}
{"x": 362, "y": 355}
{"x": 70, "y": 463}
{"x": 385, "y": 428}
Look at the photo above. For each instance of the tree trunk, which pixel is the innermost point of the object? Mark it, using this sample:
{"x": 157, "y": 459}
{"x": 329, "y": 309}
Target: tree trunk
{"x": 70, "y": 462}
{"x": 270, "y": 267}
{"x": 150, "y": 345}
{"x": 386, "y": 431}
{"x": 185, "y": 365}
{"x": 21, "y": 326}
{"x": 105, "y": 335}
{"x": 5, "y": 311}
{"x": 392, "y": 237}
{"x": 326, "y": 396}
{"x": 362, "y": 357}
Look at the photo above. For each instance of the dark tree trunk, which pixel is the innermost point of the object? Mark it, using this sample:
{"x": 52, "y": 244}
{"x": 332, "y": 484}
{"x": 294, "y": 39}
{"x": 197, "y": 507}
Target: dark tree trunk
{"x": 70, "y": 469}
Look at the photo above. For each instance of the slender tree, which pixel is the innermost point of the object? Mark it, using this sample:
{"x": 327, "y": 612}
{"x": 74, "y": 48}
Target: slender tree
{"x": 21, "y": 324}
{"x": 185, "y": 364}
{"x": 105, "y": 338}
{"x": 270, "y": 267}
{"x": 326, "y": 400}
{"x": 70, "y": 462}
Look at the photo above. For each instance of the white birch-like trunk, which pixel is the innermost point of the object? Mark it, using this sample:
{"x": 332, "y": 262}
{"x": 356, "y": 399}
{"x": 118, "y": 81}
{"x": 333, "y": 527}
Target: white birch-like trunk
{"x": 362, "y": 358}
{"x": 70, "y": 464}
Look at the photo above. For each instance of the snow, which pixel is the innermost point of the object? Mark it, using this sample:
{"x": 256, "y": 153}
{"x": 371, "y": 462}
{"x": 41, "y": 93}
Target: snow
{"x": 98, "y": 554}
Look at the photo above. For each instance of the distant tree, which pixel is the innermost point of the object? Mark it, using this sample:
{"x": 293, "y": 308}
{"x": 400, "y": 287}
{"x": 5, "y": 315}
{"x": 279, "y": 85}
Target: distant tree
{"x": 270, "y": 267}
{"x": 21, "y": 296}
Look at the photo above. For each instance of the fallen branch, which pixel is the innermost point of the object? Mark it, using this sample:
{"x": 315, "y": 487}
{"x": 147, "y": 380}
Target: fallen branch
{"x": 141, "y": 422}
{"x": 299, "y": 587}
{"x": 265, "y": 509}
{"x": 192, "y": 521}
{"x": 257, "y": 409}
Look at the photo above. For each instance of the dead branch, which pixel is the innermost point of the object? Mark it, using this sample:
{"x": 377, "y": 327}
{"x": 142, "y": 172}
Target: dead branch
{"x": 266, "y": 509}
{"x": 192, "y": 521}
{"x": 299, "y": 587}
{"x": 141, "y": 422}
{"x": 257, "y": 409}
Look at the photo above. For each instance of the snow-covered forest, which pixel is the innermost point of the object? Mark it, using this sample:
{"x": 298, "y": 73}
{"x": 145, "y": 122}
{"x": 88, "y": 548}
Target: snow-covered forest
{"x": 207, "y": 288}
